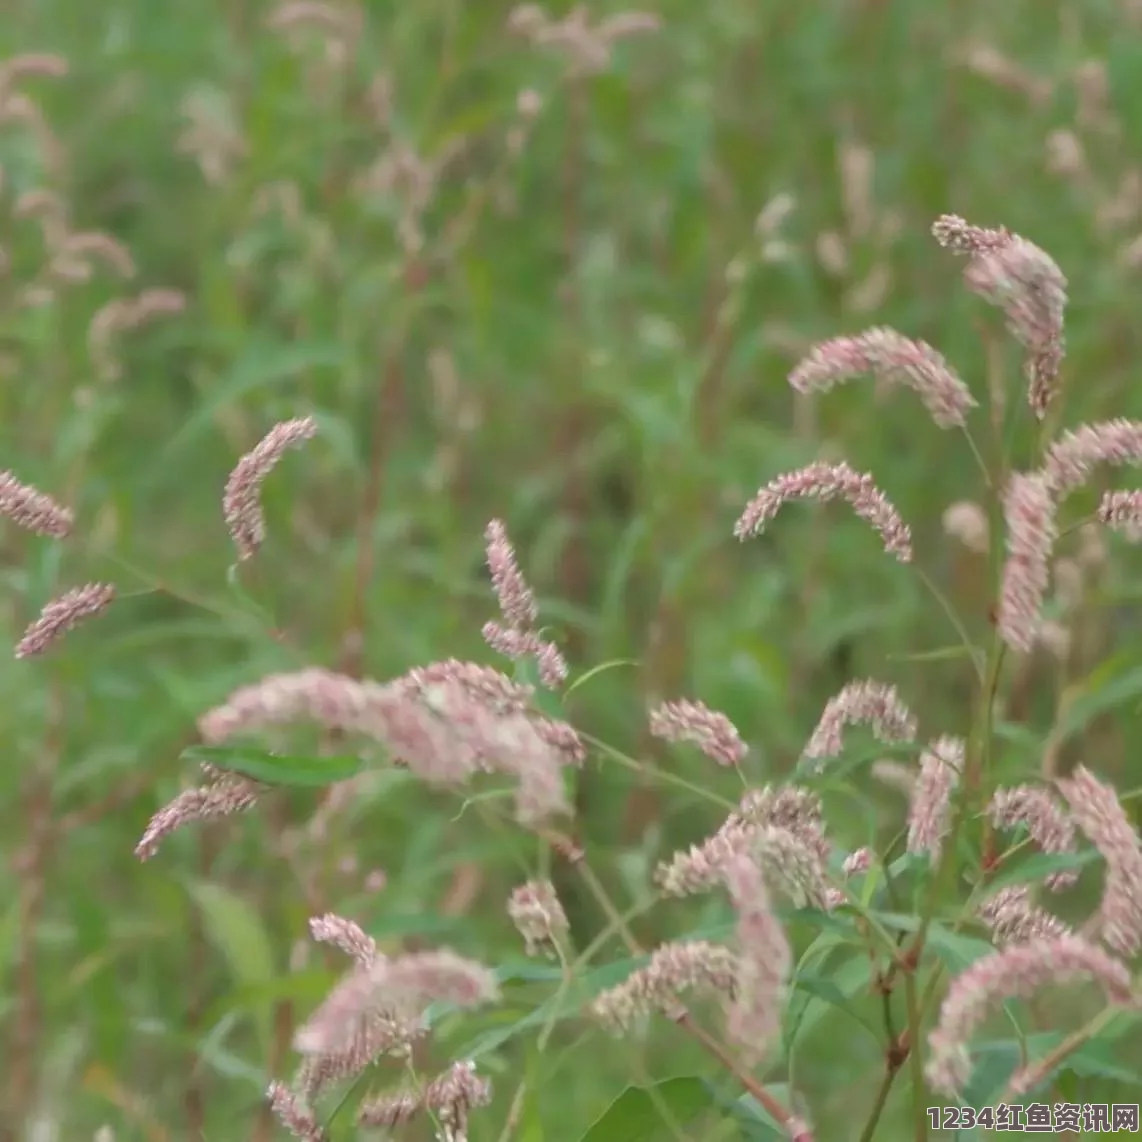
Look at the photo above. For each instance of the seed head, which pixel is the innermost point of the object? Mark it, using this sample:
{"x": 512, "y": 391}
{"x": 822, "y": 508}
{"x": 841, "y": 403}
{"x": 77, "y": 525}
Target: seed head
{"x": 389, "y": 1110}
{"x": 789, "y": 810}
{"x": 334, "y": 701}
{"x": 1051, "y": 828}
{"x": 62, "y": 614}
{"x": 764, "y": 961}
{"x": 961, "y": 237}
{"x": 858, "y": 862}
{"x": 241, "y": 503}
{"x": 1072, "y": 458}
{"x": 893, "y": 359}
{"x": 405, "y": 985}
{"x": 900, "y": 777}
{"x": 538, "y": 915}
{"x": 1029, "y": 515}
{"x": 929, "y": 813}
{"x": 1098, "y": 812}
{"x": 375, "y": 1030}
{"x": 517, "y": 602}
{"x": 516, "y": 644}
{"x": 314, "y": 15}
{"x": 795, "y": 867}
{"x": 1027, "y": 284}
{"x": 1012, "y": 918}
{"x": 452, "y": 1096}
{"x": 863, "y": 702}
{"x": 826, "y": 482}
{"x": 516, "y": 637}
{"x": 712, "y": 732}
{"x": 31, "y": 509}
{"x": 223, "y": 797}
{"x": 1017, "y": 971}
{"x": 446, "y": 722}
{"x": 674, "y": 970}
{"x": 449, "y": 1098}
{"x": 1122, "y": 511}
{"x": 294, "y": 1114}
{"x": 346, "y": 935}
{"x": 967, "y": 522}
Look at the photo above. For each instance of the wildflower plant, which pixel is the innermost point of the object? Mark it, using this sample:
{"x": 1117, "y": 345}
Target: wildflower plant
{"x": 951, "y": 920}
{"x": 451, "y": 722}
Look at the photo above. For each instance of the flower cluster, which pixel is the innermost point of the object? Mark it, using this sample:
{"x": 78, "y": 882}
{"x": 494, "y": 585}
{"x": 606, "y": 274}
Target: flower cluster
{"x": 451, "y": 721}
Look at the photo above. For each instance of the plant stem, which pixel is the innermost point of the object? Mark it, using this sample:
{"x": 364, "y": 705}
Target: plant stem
{"x": 1025, "y": 1081}
{"x": 656, "y": 774}
{"x": 686, "y": 1021}
{"x": 915, "y": 1063}
{"x": 869, "y": 1131}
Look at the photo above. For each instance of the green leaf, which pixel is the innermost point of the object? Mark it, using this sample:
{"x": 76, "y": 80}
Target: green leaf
{"x": 305, "y": 988}
{"x": 836, "y": 989}
{"x": 1039, "y": 866}
{"x": 828, "y": 992}
{"x": 565, "y": 1003}
{"x": 587, "y": 675}
{"x": 955, "y": 949}
{"x": 996, "y": 1061}
{"x": 9, "y": 929}
{"x": 642, "y": 1114}
{"x": 755, "y": 1122}
{"x": 1100, "y": 1060}
{"x": 530, "y": 1125}
{"x": 527, "y": 971}
{"x": 1122, "y": 1022}
{"x": 235, "y": 931}
{"x": 1016, "y": 734}
{"x": 940, "y": 654}
{"x": 276, "y": 769}
{"x": 263, "y": 365}
{"x": 1095, "y": 696}
{"x": 526, "y": 673}
{"x": 862, "y": 751}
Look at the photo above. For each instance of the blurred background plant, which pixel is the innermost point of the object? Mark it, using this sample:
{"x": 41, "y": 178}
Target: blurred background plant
{"x": 548, "y": 266}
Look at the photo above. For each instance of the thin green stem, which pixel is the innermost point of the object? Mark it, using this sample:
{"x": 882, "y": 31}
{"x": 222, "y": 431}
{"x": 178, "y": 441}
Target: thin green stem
{"x": 879, "y": 1103}
{"x": 1078, "y": 525}
{"x": 915, "y": 1062}
{"x": 954, "y": 619}
{"x": 1025, "y": 1081}
{"x": 893, "y": 1058}
{"x": 980, "y": 462}
{"x": 655, "y": 773}
{"x": 890, "y": 941}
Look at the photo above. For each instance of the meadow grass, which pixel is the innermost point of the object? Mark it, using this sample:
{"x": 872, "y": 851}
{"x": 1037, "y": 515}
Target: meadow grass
{"x": 558, "y": 310}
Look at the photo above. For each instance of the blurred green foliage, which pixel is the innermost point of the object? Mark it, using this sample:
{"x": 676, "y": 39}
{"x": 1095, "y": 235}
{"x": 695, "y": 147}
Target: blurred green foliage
{"x": 571, "y": 322}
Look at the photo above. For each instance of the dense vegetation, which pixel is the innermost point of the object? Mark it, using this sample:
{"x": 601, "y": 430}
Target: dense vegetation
{"x": 554, "y": 274}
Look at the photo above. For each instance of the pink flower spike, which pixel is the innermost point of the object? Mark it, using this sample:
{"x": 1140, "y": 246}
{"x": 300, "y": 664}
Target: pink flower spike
{"x": 825, "y": 482}
{"x": 1122, "y": 511}
{"x": 1018, "y": 971}
{"x": 1072, "y": 458}
{"x": 241, "y": 502}
{"x": 1029, "y": 513}
{"x": 929, "y": 814}
{"x": 516, "y": 599}
{"x": 894, "y": 358}
{"x": 62, "y": 614}
{"x": 1026, "y": 283}
{"x": 863, "y": 702}
{"x": 712, "y": 732}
